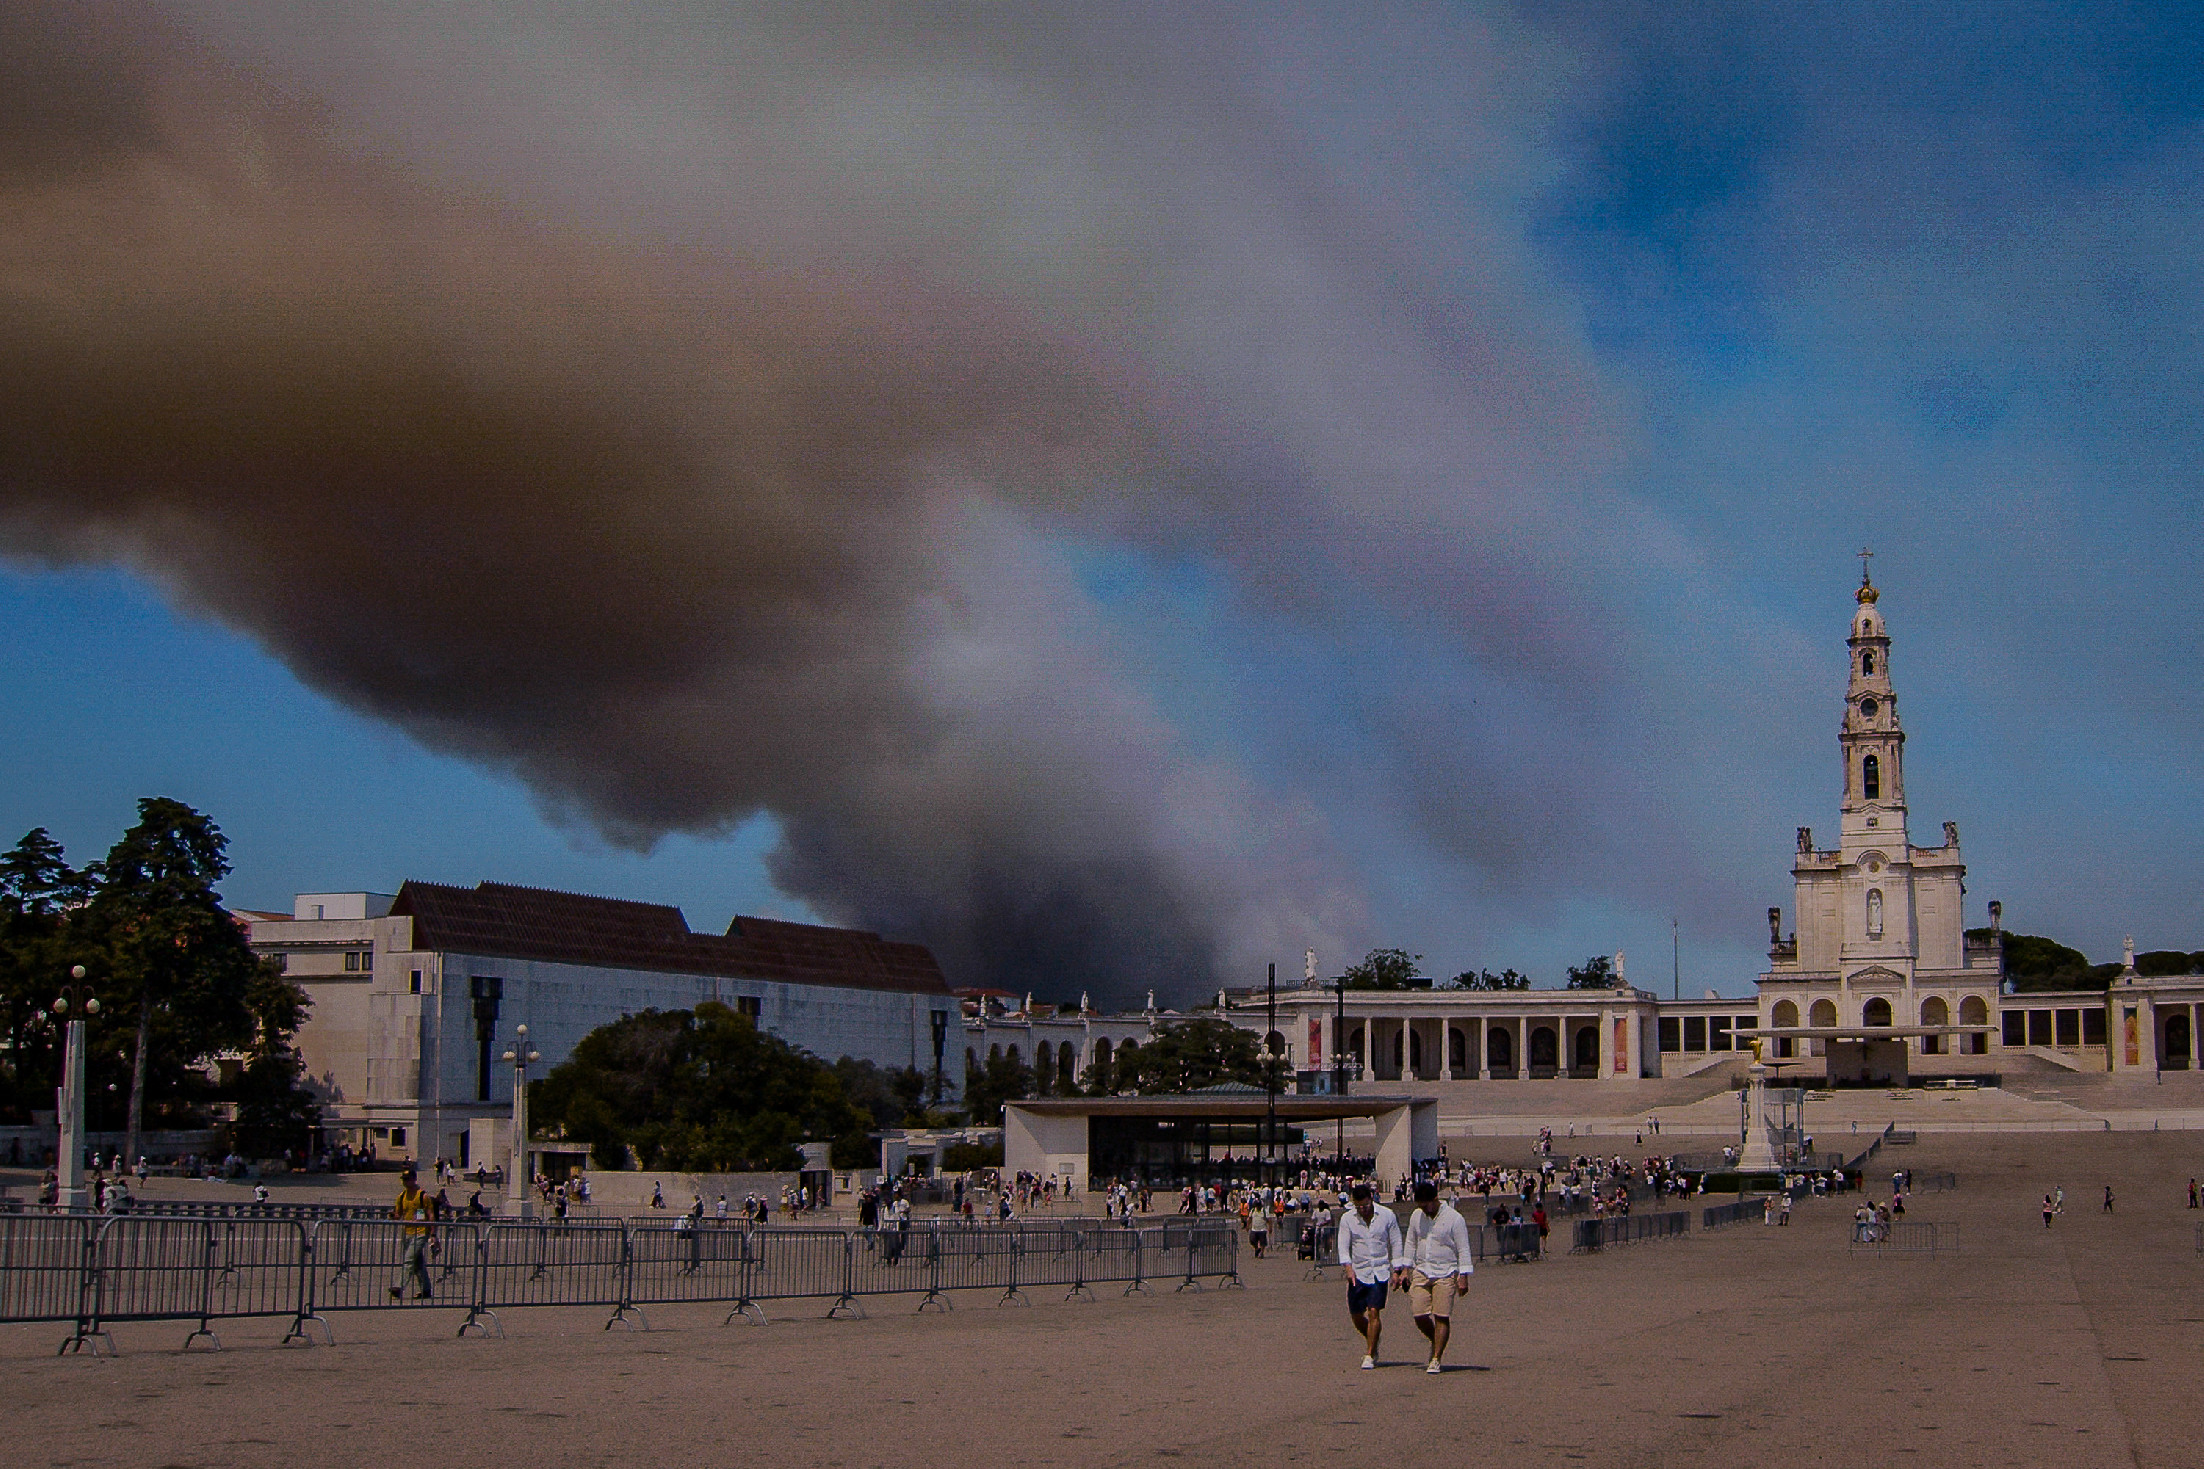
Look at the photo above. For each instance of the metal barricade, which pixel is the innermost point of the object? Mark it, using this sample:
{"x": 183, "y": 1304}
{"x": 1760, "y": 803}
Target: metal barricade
{"x": 383, "y": 1264}
{"x": 1511, "y": 1241}
{"x": 1055, "y": 1257}
{"x": 1597, "y": 1234}
{"x": 668, "y": 1263}
{"x": 975, "y": 1259}
{"x": 550, "y": 1263}
{"x": 1113, "y": 1255}
{"x": 45, "y": 1266}
{"x": 1900, "y": 1237}
{"x": 90, "y": 1271}
{"x": 799, "y": 1264}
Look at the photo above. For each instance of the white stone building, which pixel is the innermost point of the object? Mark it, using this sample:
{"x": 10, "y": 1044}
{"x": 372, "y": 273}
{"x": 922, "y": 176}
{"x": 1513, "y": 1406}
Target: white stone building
{"x": 1878, "y": 980}
{"x": 416, "y": 995}
{"x": 1880, "y": 958}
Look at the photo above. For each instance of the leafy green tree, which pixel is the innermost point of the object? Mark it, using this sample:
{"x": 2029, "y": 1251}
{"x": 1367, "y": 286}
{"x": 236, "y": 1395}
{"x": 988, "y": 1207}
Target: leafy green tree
{"x": 1595, "y": 973}
{"x": 2159, "y": 963}
{"x": 1383, "y": 969}
{"x": 1485, "y": 979}
{"x": 2034, "y": 963}
{"x": 1187, "y": 1055}
{"x": 1002, "y": 1078}
{"x": 38, "y": 888}
{"x": 889, "y": 1096}
{"x": 276, "y": 1113}
{"x": 698, "y": 1091}
{"x": 1100, "y": 1077}
{"x": 170, "y": 958}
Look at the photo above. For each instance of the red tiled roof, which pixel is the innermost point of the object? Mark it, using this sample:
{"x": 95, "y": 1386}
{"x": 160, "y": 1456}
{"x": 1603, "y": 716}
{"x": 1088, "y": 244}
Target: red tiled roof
{"x": 500, "y": 921}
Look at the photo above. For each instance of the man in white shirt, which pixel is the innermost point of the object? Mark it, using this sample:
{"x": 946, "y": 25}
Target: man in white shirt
{"x": 1440, "y": 1264}
{"x": 1374, "y": 1254}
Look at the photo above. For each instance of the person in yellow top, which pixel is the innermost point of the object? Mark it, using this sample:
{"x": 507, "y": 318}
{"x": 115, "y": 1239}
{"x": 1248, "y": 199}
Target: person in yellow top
{"x": 418, "y": 1235}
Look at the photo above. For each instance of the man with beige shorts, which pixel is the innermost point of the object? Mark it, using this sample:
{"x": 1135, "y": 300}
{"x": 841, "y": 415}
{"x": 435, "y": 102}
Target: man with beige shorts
{"x": 1440, "y": 1264}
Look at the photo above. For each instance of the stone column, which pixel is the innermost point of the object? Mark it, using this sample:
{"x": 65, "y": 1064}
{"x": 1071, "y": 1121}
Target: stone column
{"x": 2196, "y": 1042}
{"x": 1523, "y": 1047}
{"x": 1484, "y": 1048}
{"x": 1446, "y": 1048}
{"x": 1603, "y": 1046}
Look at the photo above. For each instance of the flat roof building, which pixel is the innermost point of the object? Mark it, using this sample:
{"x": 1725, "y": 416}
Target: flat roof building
{"x": 416, "y": 994}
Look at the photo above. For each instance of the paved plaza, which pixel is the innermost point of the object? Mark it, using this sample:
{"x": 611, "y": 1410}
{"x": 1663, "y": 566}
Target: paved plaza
{"x": 1748, "y": 1345}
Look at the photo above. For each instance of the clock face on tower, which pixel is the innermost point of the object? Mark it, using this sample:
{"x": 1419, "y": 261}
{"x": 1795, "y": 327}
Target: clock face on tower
{"x": 1868, "y": 708}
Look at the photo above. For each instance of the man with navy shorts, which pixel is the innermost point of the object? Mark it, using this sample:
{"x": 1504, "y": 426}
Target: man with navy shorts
{"x": 1373, "y": 1254}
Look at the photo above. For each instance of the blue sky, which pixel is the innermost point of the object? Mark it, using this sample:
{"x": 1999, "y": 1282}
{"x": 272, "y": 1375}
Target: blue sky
{"x": 1124, "y": 502}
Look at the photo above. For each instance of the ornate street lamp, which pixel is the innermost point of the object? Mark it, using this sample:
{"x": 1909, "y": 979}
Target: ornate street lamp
{"x": 69, "y": 1096}
{"x": 517, "y": 1176}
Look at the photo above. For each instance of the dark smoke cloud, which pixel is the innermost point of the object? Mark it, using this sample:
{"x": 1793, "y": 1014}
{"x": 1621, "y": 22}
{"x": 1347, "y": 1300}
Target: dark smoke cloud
{"x": 687, "y": 413}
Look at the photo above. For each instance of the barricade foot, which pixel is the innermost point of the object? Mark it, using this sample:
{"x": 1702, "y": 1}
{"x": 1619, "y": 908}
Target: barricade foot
{"x": 631, "y": 1317}
{"x": 483, "y": 1320}
{"x": 746, "y": 1310}
{"x": 1138, "y": 1288}
{"x": 936, "y": 1299}
{"x": 205, "y": 1332}
{"x": 301, "y": 1333}
{"x": 1189, "y": 1283}
{"x": 1079, "y": 1293}
{"x": 1014, "y": 1297}
{"x": 851, "y": 1304}
{"x": 1232, "y": 1282}
{"x": 84, "y": 1338}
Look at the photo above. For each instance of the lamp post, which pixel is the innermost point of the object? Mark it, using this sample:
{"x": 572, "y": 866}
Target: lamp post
{"x": 1273, "y": 1046}
{"x": 517, "y": 1179}
{"x": 1339, "y": 1061}
{"x": 69, "y": 1096}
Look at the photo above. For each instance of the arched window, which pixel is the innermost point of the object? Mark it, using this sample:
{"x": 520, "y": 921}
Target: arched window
{"x": 1457, "y": 1050}
{"x": 1876, "y": 1012}
{"x": 1824, "y": 1014}
{"x": 1874, "y": 909}
{"x": 1784, "y": 1016}
{"x": 1044, "y": 1068}
{"x": 1500, "y": 1048}
{"x": 1867, "y": 663}
{"x": 1934, "y": 1012}
{"x": 1067, "y": 1067}
{"x": 1871, "y": 778}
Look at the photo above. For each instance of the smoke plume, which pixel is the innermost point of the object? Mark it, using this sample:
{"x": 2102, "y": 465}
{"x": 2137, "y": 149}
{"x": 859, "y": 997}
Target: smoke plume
{"x": 702, "y": 415}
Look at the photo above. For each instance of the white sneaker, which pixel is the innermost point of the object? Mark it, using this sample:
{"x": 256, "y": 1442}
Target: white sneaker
{"x": 1368, "y": 1363}
{"x": 1432, "y": 1367}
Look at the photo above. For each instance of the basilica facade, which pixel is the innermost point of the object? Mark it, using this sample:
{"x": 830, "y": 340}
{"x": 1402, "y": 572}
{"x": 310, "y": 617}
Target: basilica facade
{"x": 1877, "y": 981}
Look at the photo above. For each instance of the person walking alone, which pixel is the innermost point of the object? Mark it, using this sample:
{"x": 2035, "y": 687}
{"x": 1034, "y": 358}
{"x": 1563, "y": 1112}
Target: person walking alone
{"x": 1440, "y": 1265}
{"x": 418, "y": 1237}
{"x": 1373, "y": 1253}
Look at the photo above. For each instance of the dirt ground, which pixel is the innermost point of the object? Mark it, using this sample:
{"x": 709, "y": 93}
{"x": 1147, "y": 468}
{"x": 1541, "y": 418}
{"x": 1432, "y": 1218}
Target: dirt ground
{"x": 2072, "y": 1346}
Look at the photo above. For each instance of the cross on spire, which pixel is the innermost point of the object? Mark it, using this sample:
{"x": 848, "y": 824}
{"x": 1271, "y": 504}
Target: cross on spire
{"x": 1864, "y": 554}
